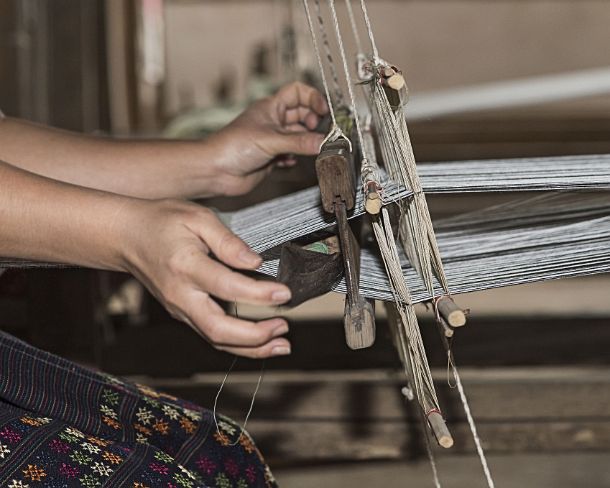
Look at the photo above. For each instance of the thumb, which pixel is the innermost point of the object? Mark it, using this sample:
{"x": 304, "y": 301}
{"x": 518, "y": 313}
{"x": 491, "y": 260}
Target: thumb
{"x": 303, "y": 143}
{"x": 225, "y": 245}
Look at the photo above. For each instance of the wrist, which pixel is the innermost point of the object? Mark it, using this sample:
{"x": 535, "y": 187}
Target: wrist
{"x": 196, "y": 171}
{"x": 127, "y": 231}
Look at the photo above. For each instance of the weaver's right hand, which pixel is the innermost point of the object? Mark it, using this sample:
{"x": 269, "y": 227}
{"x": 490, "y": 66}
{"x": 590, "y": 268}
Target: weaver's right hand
{"x": 168, "y": 247}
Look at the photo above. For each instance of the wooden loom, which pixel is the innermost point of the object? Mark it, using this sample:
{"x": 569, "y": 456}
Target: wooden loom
{"x": 311, "y": 269}
{"x": 335, "y": 156}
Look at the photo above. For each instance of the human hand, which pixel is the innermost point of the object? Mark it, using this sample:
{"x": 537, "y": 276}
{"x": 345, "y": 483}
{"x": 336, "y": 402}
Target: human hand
{"x": 268, "y": 133}
{"x": 167, "y": 247}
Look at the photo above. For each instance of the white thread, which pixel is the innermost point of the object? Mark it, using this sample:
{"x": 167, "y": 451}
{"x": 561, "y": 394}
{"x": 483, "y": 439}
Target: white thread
{"x": 408, "y": 394}
{"x": 348, "y": 78}
{"x": 430, "y": 454}
{"x": 335, "y": 130}
{"x": 473, "y": 429}
{"x": 370, "y": 31}
{"x": 224, "y": 380}
{"x": 368, "y": 171}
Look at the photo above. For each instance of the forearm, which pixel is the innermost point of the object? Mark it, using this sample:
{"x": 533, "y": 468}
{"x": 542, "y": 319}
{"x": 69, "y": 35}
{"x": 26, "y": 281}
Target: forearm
{"x": 46, "y": 220}
{"x": 139, "y": 168}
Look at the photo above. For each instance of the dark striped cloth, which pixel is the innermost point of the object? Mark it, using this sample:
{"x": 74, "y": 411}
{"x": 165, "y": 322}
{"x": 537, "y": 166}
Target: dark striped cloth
{"x": 62, "y": 425}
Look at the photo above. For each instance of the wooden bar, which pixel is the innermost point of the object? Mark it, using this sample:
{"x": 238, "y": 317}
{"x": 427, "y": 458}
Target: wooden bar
{"x": 351, "y": 415}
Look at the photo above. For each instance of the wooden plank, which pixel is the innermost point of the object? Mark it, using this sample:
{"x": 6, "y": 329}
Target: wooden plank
{"x": 320, "y": 344}
{"x": 496, "y": 395}
{"x": 362, "y": 415}
{"x": 289, "y": 442}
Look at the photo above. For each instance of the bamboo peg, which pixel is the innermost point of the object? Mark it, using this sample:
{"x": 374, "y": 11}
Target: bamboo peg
{"x": 450, "y": 312}
{"x": 439, "y": 428}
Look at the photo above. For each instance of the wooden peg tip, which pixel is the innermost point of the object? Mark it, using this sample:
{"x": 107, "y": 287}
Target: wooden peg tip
{"x": 359, "y": 323}
{"x": 373, "y": 203}
{"x": 396, "y": 81}
{"x": 440, "y": 430}
{"x": 450, "y": 312}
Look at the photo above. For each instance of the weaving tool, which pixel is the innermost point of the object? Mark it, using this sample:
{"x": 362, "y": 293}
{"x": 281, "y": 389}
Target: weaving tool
{"x": 313, "y": 270}
{"x": 336, "y": 179}
{"x": 386, "y": 92}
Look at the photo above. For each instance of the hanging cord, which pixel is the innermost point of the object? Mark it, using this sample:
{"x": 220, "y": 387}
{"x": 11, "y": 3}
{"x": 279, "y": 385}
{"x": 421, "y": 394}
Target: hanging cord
{"x": 473, "y": 429}
{"x": 335, "y": 131}
{"x": 429, "y": 451}
{"x": 348, "y": 77}
{"x": 222, "y": 385}
{"x": 367, "y": 21}
{"x": 464, "y": 400}
{"x": 258, "y": 385}
{"x": 368, "y": 171}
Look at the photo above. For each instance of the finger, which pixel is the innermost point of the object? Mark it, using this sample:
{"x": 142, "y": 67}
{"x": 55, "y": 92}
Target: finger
{"x": 274, "y": 348}
{"x": 218, "y": 280}
{"x": 295, "y": 128}
{"x": 225, "y": 245}
{"x": 300, "y": 95}
{"x": 301, "y": 115}
{"x": 287, "y": 162}
{"x": 311, "y": 121}
{"x": 222, "y": 330}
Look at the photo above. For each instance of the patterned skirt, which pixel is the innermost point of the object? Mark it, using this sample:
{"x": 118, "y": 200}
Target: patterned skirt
{"x": 62, "y": 425}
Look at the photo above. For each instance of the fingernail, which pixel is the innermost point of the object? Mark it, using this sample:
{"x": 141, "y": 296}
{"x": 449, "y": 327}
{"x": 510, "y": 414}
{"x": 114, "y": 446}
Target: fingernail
{"x": 281, "y": 330}
{"x": 281, "y": 296}
{"x": 249, "y": 258}
{"x": 280, "y": 351}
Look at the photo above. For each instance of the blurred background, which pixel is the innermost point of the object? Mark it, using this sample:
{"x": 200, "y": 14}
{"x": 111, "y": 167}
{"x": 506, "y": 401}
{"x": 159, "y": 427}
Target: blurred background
{"x": 534, "y": 358}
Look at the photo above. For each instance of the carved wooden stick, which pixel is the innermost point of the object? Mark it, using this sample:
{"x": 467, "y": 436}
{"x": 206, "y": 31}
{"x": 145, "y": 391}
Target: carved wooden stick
{"x": 335, "y": 172}
{"x": 439, "y": 428}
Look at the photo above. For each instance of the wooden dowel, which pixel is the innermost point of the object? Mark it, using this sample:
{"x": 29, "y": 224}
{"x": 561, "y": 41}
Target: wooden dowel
{"x": 450, "y": 312}
{"x": 439, "y": 429}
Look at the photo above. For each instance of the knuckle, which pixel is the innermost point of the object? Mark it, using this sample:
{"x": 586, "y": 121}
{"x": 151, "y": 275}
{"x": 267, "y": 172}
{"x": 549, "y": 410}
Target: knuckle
{"x": 229, "y": 243}
{"x": 172, "y": 299}
{"x": 205, "y": 212}
{"x": 213, "y": 331}
{"x": 221, "y": 286}
{"x": 258, "y": 353}
{"x": 261, "y": 337}
{"x": 177, "y": 264}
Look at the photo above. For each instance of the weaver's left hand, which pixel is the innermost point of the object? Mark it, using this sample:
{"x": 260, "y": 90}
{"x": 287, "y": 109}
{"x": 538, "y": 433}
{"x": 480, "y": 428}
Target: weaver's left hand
{"x": 269, "y": 133}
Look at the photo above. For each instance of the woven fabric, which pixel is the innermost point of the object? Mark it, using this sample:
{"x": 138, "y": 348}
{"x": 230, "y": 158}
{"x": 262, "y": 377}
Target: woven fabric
{"x": 62, "y": 425}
